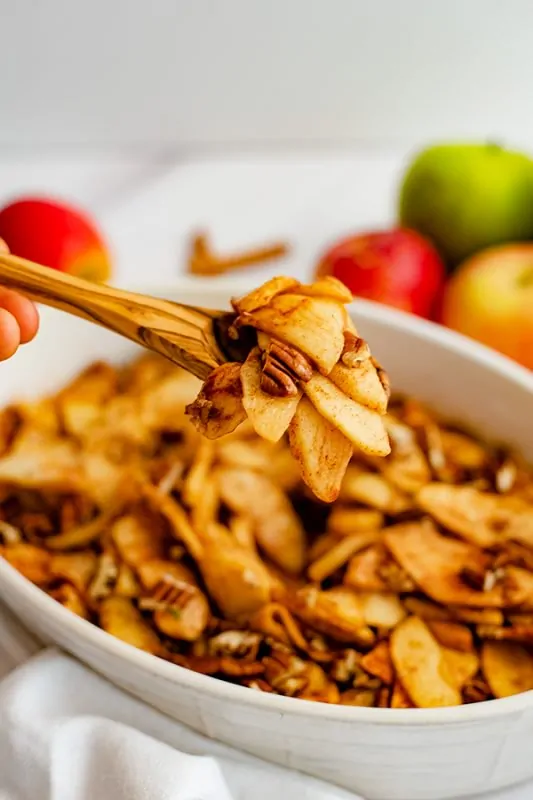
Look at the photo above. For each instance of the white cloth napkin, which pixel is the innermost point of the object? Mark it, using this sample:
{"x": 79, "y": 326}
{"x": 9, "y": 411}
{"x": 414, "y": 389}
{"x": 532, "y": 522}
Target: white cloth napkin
{"x": 68, "y": 734}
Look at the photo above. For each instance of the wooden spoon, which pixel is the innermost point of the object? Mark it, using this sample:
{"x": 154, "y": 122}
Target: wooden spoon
{"x": 195, "y": 338}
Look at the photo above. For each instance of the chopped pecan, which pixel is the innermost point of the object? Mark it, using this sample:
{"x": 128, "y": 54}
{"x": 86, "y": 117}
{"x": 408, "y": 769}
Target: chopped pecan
{"x": 345, "y": 666}
{"x": 104, "y": 579}
{"x": 476, "y": 690}
{"x": 506, "y": 475}
{"x": 235, "y": 643}
{"x": 492, "y": 577}
{"x": 396, "y": 578}
{"x": 362, "y": 680}
{"x": 290, "y": 675}
{"x": 180, "y": 609}
{"x": 483, "y": 581}
{"x": 286, "y": 673}
{"x": 509, "y": 553}
{"x": 170, "y": 593}
{"x": 9, "y": 534}
{"x": 283, "y": 366}
{"x": 355, "y": 350}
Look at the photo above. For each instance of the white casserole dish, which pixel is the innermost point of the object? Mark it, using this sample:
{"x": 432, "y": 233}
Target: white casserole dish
{"x": 384, "y": 754}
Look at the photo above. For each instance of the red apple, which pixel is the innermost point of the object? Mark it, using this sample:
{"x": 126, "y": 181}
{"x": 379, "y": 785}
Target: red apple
{"x": 398, "y": 267}
{"x": 56, "y": 235}
{"x": 490, "y": 298}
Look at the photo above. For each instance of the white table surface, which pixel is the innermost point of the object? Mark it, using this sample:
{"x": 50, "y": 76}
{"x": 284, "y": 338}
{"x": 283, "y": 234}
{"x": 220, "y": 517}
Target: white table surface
{"x": 148, "y": 205}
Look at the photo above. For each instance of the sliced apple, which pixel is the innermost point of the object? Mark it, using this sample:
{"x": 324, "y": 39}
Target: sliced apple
{"x": 361, "y": 383}
{"x": 373, "y": 490}
{"x": 314, "y": 325}
{"x": 463, "y": 510}
{"x": 264, "y": 294}
{"x": 120, "y": 618}
{"x": 436, "y": 563}
{"x": 277, "y": 527}
{"x": 418, "y": 661}
{"x": 322, "y": 451}
{"x": 235, "y": 577}
{"x": 335, "y": 612}
{"x": 362, "y": 426}
{"x": 270, "y": 416}
{"x": 47, "y": 463}
{"x": 508, "y": 668}
{"x": 327, "y": 287}
{"x": 382, "y": 609}
{"x": 218, "y": 409}
{"x": 458, "y": 667}
{"x": 452, "y": 634}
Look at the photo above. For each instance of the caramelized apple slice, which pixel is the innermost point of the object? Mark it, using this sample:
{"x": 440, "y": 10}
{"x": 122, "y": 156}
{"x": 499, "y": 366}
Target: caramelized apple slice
{"x": 263, "y": 295}
{"x": 361, "y": 383}
{"x": 362, "y": 426}
{"x": 508, "y": 668}
{"x": 327, "y": 287}
{"x": 235, "y": 577}
{"x": 436, "y": 564}
{"x": 218, "y": 409}
{"x": 418, "y": 661}
{"x": 322, "y": 452}
{"x": 458, "y": 667}
{"x": 277, "y": 528}
{"x": 313, "y": 325}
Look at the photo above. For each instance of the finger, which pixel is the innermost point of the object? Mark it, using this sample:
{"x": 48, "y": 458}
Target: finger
{"x": 9, "y": 334}
{"x": 24, "y": 312}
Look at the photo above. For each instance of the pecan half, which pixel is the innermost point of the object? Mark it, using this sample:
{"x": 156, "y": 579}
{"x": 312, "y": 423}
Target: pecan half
{"x": 276, "y": 381}
{"x": 355, "y": 350}
{"x": 235, "y": 643}
{"x": 169, "y": 593}
{"x": 283, "y": 367}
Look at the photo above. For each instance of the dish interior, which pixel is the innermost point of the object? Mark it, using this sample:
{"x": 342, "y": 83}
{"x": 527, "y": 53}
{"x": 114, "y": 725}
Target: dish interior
{"x": 460, "y": 380}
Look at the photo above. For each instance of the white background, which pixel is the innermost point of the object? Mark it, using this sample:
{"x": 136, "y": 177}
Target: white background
{"x": 186, "y": 73}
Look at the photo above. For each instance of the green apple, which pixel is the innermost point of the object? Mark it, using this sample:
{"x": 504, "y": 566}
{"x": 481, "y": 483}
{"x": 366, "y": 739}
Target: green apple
{"x": 466, "y": 197}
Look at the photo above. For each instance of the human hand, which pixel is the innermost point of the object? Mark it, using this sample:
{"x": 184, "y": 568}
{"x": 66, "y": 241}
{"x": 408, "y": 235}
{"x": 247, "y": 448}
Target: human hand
{"x": 19, "y": 319}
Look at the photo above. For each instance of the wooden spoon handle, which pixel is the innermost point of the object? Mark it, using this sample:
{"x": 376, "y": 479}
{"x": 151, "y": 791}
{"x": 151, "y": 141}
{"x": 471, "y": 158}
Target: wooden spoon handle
{"x": 183, "y": 334}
